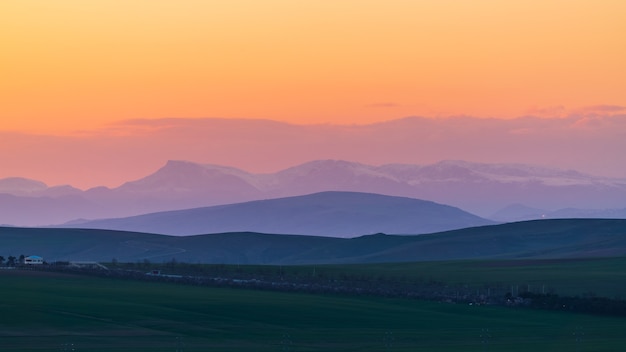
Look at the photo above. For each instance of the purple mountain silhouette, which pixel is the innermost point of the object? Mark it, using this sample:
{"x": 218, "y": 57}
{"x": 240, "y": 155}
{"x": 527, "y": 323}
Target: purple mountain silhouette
{"x": 335, "y": 214}
{"x": 478, "y": 188}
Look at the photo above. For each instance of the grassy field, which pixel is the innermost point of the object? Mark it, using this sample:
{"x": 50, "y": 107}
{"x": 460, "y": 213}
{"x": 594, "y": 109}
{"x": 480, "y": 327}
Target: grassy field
{"x": 602, "y": 277}
{"x": 62, "y": 312}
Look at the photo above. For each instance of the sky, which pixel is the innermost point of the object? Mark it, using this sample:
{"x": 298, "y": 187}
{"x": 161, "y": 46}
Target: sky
{"x": 74, "y": 70}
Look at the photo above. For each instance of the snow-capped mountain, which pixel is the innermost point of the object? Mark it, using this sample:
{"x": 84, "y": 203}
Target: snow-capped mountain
{"x": 479, "y": 188}
{"x": 21, "y": 186}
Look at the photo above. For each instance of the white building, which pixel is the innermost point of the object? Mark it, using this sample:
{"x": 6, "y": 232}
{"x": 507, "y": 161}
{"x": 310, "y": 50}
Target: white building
{"x": 33, "y": 260}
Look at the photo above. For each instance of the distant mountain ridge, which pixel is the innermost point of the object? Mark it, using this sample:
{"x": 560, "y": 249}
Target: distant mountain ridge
{"x": 21, "y": 186}
{"x": 519, "y": 212}
{"x": 333, "y": 213}
{"x": 475, "y": 187}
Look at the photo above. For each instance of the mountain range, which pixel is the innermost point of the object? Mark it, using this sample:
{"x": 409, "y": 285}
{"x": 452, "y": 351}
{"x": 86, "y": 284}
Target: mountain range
{"x": 482, "y": 189}
{"x": 564, "y": 238}
{"x": 520, "y": 212}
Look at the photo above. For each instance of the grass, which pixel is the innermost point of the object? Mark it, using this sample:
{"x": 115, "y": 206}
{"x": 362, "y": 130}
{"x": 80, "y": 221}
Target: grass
{"x": 51, "y": 311}
{"x": 604, "y": 277}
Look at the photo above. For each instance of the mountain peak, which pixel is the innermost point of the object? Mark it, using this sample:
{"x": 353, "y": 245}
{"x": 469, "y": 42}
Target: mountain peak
{"x": 21, "y": 185}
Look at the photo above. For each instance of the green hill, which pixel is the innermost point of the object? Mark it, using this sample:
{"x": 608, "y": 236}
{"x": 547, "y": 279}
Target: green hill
{"x": 567, "y": 238}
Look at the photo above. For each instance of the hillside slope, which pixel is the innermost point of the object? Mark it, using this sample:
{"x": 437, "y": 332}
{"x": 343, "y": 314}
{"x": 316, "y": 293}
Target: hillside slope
{"x": 532, "y": 239}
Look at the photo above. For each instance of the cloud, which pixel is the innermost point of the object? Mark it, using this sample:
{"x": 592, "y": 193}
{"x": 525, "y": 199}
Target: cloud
{"x": 599, "y": 116}
{"x": 560, "y": 111}
{"x": 548, "y": 111}
{"x": 602, "y": 109}
{"x": 598, "y": 111}
{"x": 588, "y": 122}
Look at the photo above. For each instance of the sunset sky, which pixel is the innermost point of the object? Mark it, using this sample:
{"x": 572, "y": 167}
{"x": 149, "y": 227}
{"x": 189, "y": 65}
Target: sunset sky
{"x": 75, "y": 68}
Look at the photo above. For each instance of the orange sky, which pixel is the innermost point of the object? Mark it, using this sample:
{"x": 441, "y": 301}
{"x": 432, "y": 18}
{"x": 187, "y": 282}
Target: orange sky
{"x": 70, "y": 65}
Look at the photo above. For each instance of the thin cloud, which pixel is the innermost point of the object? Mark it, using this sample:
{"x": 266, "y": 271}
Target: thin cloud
{"x": 598, "y": 116}
{"x": 598, "y": 111}
{"x": 602, "y": 109}
{"x": 560, "y": 111}
{"x": 548, "y": 111}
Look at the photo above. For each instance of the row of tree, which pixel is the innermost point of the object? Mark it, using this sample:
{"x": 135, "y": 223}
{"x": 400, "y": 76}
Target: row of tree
{"x": 588, "y": 304}
{"x": 12, "y": 260}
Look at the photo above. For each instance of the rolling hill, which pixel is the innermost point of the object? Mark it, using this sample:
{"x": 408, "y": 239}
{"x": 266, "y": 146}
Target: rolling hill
{"x": 336, "y": 214}
{"x": 565, "y": 238}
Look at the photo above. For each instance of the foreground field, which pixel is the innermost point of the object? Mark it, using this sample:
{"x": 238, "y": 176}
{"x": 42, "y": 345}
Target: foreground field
{"x": 52, "y": 311}
{"x": 583, "y": 277}
{"x": 600, "y": 277}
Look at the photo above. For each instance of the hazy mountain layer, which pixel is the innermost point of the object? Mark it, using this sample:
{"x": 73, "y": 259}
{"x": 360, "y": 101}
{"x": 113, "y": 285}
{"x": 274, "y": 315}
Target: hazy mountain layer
{"x": 337, "y": 214}
{"x": 519, "y": 212}
{"x": 478, "y": 188}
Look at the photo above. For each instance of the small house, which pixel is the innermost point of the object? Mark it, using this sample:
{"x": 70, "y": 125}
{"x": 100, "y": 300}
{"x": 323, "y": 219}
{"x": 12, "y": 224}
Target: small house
{"x": 33, "y": 260}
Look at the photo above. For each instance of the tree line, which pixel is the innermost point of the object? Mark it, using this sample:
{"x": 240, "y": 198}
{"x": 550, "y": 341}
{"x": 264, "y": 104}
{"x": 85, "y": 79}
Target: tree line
{"x": 12, "y": 260}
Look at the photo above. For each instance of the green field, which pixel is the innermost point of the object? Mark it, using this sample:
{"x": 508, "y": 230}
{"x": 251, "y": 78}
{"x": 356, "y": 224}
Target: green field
{"x": 600, "y": 277}
{"x": 57, "y": 312}
{"x": 604, "y": 277}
